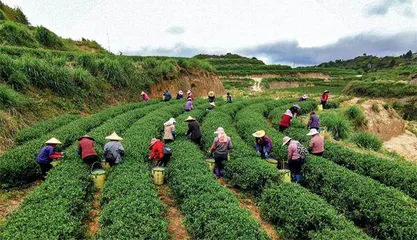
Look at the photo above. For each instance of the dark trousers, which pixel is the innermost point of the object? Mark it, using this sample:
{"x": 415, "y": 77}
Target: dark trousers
{"x": 323, "y": 103}
{"x": 219, "y": 160}
{"x": 282, "y": 128}
{"x": 295, "y": 166}
{"x": 197, "y": 141}
{"x": 45, "y": 167}
{"x": 168, "y": 140}
{"x": 163, "y": 162}
{"x": 111, "y": 161}
{"x": 90, "y": 159}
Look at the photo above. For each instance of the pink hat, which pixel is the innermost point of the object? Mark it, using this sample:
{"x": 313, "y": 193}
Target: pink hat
{"x": 153, "y": 141}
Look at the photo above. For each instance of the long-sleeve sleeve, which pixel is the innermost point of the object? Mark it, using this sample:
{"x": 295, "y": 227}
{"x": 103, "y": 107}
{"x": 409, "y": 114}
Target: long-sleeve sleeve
{"x": 229, "y": 144}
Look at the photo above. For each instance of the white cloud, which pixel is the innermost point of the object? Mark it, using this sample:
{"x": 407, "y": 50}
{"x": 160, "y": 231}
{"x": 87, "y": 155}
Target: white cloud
{"x": 176, "y": 30}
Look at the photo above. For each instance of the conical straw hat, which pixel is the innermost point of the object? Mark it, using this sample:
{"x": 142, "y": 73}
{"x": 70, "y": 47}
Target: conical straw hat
{"x": 114, "y": 136}
{"x": 211, "y": 93}
{"x": 53, "y": 141}
{"x": 259, "y": 134}
{"x": 189, "y": 118}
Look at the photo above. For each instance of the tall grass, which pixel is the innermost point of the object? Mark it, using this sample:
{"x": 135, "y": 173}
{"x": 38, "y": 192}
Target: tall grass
{"x": 336, "y": 124}
{"x": 16, "y": 34}
{"x": 381, "y": 89}
{"x": 11, "y": 99}
{"x": 367, "y": 141}
{"x": 48, "y": 38}
{"x": 356, "y": 115}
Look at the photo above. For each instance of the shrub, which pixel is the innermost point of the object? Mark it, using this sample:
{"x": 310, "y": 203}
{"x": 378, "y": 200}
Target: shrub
{"x": 337, "y": 125}
{"x": 332, "y": 104}
{"x": 3, "y": 15}
{"x": 48, "y": 38}
{"x": 42, "y": 128}
{"x": 299, "y": 214}
{"x": 11, "y": 99}
{"x": 131, "y": 208}
{"x": 367, "y": 141}
{"x": 88, "y": 62}
{"x": 383, "y": 212}
{"x": 16, "y": 34}
{"x": 17, "y": 166}
{"x": 18, "y": 81}
{"x": 61, "y": 202}
{"x": 209, "y": 208}
{"x": 356, "y": 115}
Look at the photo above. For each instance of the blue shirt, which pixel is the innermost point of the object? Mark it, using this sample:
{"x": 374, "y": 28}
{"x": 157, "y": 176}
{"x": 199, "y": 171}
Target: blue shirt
{"x": 43, "y": 156}
{"x": 315, "y": 121}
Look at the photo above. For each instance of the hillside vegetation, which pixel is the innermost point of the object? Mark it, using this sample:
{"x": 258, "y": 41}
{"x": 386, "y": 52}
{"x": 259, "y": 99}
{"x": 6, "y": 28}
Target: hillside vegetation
{"x": 43, "y": 75}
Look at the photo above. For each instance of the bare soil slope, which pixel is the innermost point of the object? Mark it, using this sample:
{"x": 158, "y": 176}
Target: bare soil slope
{"x": 200, "y": 83}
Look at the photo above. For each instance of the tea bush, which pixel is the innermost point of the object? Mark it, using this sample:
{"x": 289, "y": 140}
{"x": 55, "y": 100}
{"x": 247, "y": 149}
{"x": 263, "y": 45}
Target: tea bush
{"x": 61, "y": 203}
{"x": 383, "y": 212}
{"x": 130, "y": 204}
{"x": 43, "y": 128}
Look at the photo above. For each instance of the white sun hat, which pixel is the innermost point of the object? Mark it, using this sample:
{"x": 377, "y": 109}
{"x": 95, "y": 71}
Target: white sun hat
{"x": 213, "y": 104}
{"x": 114, "y": 137}
{"x": 285, "y": 140}
{"x": 288, "y": 113}
{"x": 312, "y": 132}
{"x": 53, "y": 141}
{"x": 259, "y": 134}
{"x": 219, "y": 130}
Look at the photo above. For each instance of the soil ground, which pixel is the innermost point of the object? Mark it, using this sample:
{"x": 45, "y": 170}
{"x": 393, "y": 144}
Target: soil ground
{"x": 405, "y": 145}
{"x": 176, "y": 228}
{"x": 93, "y": 221}
{"x": 11, "y": 199}
{"x": 248, "y": 203}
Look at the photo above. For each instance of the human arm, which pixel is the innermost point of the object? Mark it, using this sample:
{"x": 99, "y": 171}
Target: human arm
{"x": 229, "y": 144}
{"x": 121, "y": 150}
{"x": 291, "y": 150}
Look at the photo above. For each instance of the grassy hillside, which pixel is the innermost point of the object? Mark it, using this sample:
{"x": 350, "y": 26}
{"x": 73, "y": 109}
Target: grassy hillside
{"x": 15, "y": 30}
{"x": 43, "y": 75}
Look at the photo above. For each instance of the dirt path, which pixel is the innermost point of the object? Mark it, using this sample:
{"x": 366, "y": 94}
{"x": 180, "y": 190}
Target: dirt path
{"x": 257, "y": 85}
{"x": 174, "y": 216}
{"x": 405, "y": 145}
{"x": 10, "y": 200}
{"x": 93, "y": 221}
{"x": 248, "y": 203}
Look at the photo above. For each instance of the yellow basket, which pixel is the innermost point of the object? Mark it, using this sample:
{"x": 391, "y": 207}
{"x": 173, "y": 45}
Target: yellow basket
{"x": 105, "y": 165}
{"x": 54, "y": 163}
{"x": 98, "y": 176}
{"x": 158, "y": 175}
{"x": 272, "y": 162}
{"x": 285, "y": 175}
{"x": 319, "y": 107}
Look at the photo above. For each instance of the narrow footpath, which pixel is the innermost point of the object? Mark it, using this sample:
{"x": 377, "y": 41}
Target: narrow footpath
{"x": 94, "y": 219}
{"x": 247, "y": 202}
{"x": 176, "y": 228}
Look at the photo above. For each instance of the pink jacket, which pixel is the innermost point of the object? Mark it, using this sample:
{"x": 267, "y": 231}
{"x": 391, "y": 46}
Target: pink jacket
{"x": 293, "y": 151}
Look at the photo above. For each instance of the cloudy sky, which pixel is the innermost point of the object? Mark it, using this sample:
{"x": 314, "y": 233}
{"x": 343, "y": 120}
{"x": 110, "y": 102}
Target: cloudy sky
{"x": 301, "y": 32}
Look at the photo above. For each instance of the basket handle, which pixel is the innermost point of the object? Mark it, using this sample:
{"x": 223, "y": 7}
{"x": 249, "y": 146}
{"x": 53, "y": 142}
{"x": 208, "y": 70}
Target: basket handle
{"x": 92, "y": 166}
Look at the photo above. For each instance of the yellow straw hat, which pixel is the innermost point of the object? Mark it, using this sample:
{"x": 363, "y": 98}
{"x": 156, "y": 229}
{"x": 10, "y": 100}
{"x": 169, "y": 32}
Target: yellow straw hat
{"x": 211, "y": 94}
{"x": 259, "y": 134}
{"x": 53, "y": 141}
{"x": 114, "y": 137}
{"x": 189, "y": 118}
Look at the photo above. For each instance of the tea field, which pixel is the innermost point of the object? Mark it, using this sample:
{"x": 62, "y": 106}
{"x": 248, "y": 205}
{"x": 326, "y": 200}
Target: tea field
{"x": 346, "y": 194}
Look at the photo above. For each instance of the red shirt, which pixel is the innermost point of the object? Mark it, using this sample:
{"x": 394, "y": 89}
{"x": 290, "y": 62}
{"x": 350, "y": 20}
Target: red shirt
{"x": 156, "y": 150}
{"x": 325, "y": 97}
{"x": 190, "y": 95}
{"x": 285, "y": 121}
{"x": 86, "y": 146}
{"x": 145, "y": 97}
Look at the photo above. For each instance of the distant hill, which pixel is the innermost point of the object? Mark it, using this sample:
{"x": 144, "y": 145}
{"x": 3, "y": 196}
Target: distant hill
{"x": 235, "y": 65}
{"x": 369, "y": 63}
{"x": 15, "y": 30}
